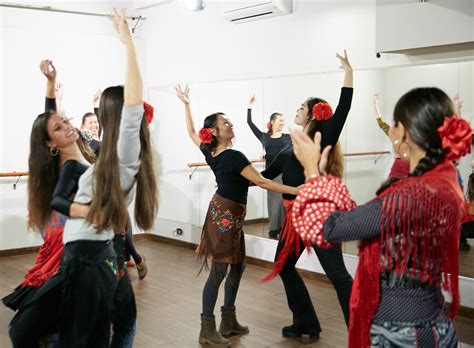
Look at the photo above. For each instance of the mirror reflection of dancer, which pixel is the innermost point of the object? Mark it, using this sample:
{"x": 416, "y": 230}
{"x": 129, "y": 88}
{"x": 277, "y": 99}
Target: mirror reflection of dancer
{"x": 400, "y": 167}
{"x": 273, "y": 141}
{"x": 222, "y": 239}
{"x": 409, "y": 233}
{"x": 314, "y": 115}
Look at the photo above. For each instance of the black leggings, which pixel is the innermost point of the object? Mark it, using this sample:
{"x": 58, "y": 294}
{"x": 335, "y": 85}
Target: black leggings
{"x": 216, "y": 276}
{"x": 332, "y": 261}
{"x": 129, "y": 246}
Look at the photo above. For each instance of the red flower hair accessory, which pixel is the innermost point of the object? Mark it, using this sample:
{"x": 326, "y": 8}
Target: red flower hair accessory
{"x": 269, "y": 125}
{"x": 322, "y": 111}
{"x": 456, "y": 137}
{"x": 205, "y": 134}
{"x": 149, "y": 111}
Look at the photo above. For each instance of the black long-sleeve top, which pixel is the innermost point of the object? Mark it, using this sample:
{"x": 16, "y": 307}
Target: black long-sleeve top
{"x": 67, "y": 186}
{"x": 271, "y": 145}
{"x": 69, "y": 176}
{"x": 286, "y": 162}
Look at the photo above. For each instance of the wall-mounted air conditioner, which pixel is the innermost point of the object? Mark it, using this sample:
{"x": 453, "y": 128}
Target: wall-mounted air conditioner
{"x": 246, "y": 10}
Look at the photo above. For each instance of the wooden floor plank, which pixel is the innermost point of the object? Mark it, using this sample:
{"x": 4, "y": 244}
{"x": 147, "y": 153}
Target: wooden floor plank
{"x": 169, "y": 303}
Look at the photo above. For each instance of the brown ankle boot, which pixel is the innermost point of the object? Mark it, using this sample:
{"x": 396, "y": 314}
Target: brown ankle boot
{"x": 209, "y": 335}
{"x": 229, "y": 324}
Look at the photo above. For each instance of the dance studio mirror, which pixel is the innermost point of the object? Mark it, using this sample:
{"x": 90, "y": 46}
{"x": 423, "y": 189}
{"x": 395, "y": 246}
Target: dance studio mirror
{"x": 363, "y": 172}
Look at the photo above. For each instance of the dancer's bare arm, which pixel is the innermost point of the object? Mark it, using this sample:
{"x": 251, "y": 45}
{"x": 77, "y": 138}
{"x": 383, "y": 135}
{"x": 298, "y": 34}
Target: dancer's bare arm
{"x": 183, "y": 95}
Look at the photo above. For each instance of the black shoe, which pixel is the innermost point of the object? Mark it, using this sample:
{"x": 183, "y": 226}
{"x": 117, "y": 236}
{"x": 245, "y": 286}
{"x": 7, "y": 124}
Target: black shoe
{"x": 294, "y": 332}
{"x": 273, "y": 234}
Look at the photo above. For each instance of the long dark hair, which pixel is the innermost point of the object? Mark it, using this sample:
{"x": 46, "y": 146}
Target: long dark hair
{"x": 44, "y": 171}
{"x": 422, "y": 112}
{"x": 211, "y": 122}
{"x": 43, "y": 174}
{"x": 335, "y": 164}
{"x": 109, "y": 206}
{"x": 273, "y": 117}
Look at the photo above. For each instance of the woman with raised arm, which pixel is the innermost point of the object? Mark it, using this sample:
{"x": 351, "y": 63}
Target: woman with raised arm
{"x": 315, "y": 114}
{"x": 57, "y": 156}
{"x": 222, "y": 238}
{"x": 273, "y": 141}
{"x": 89, "y": 272}
{"x": 409, "y": 233}
{"x": 400, "y": 168}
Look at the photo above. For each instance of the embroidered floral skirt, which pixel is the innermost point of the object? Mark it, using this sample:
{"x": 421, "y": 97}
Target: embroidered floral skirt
{"x": 222, "y": 239}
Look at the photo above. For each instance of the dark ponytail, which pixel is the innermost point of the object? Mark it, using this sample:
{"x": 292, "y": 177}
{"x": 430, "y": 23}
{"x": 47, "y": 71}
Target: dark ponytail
{"x": 273, "y": 117}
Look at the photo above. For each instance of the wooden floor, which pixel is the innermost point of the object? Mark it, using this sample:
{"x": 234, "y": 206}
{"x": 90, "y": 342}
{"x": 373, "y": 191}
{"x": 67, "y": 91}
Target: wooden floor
{"x": 466, "y": 258}
{"x": 169, "y": 303}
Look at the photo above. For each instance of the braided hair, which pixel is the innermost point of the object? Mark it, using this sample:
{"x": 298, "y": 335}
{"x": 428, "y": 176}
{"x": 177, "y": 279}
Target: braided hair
{"x": 422, "y": 111}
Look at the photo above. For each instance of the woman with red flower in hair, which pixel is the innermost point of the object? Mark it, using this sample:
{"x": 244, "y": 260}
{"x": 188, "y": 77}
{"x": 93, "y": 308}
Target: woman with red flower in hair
{"x": 314, "y": 115}
{"x": 222, "y": 239}
{"x": 409, "y": 233}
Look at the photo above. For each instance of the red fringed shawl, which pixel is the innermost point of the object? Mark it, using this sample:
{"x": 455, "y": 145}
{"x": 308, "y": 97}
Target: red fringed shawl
{"x": 49, "y": 256}
{"x": 421, "y": 223}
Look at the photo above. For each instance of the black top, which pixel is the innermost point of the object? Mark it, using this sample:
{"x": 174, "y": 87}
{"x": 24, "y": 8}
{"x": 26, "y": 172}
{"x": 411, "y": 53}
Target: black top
{"x": 227, "y": 167}
{"x": 271, "y": 145}
{"x": 286, "y": 163}
{"x": 50, "y": 104}
{"x": 67, "y": 186}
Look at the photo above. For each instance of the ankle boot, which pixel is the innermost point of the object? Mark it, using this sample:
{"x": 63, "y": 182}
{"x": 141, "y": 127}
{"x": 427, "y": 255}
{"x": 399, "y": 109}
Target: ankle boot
{"x": 229, "y": 324}
{"x": 209, "y": 335}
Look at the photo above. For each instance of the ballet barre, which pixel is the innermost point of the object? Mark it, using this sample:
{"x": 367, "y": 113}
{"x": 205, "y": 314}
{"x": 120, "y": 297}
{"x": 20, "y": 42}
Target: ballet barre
{"x": 13, "y": 174}
{"x": 196, "y": 165}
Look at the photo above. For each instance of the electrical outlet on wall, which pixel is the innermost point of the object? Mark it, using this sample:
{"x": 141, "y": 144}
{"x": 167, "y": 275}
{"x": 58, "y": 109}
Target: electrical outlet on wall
{"x": 177, "y": 232}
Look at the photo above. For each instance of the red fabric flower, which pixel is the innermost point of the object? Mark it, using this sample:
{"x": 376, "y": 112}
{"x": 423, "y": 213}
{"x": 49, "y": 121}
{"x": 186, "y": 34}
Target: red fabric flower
{"x": 205, "y": 134}
{"x": 149, "y": 111}
{"x": 269, "y": 125}
{"x": 225, "y": 222}
{"x": 322, "y": 111}
{"x": 456, "y": 137}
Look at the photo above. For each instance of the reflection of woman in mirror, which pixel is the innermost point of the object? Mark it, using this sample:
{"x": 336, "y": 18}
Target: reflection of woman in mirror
{"x": 314, "y": 115}
{"x": 409, "y": 233}
{"x": 273, "y": 141}
{"x": 400, "y": 167}
{"x": 222, "y": 239}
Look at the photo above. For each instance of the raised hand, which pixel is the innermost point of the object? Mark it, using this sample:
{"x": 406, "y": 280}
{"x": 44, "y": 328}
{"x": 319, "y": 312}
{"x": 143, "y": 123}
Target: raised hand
{"x": 376, "y": 99}
{"x": 252, "y": 101}
{"x": 48, "y": 69}
{"x": 457, "y": 101}
{"x": 96, "y": 99}
{"x": 345, "y": 65}
{"x": 121, "y": 26}
{"x": 183, "y": 94}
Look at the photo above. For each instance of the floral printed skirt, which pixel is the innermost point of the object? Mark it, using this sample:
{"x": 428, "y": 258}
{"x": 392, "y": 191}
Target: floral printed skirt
{"x": 222, "y": 239}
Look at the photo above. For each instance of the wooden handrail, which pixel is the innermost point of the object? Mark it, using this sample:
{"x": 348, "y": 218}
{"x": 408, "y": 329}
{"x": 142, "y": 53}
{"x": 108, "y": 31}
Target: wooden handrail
{"x": 203, "y": 164}
{"x": 14, "y": 174}
{"x": 349, "y": 154}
